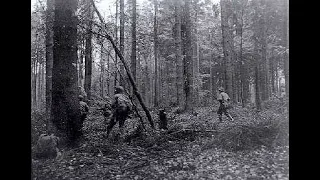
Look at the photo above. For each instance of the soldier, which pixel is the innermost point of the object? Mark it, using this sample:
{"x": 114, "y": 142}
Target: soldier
{"x": 224, "y": 99}
{"x": 83, "y": 93}
{"x": 84, "y": 109}
{"x": 106, "y": 111}
{"x": 121, "y": 108}
{"x": 163, "y": 121}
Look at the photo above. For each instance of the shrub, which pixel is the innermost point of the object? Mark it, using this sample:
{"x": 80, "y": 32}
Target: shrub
{"x": 269, "y": 130}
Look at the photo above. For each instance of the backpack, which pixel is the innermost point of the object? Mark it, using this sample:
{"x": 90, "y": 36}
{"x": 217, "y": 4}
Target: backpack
{"x": 226, "y": 103}
{"x": 123, "y": 104}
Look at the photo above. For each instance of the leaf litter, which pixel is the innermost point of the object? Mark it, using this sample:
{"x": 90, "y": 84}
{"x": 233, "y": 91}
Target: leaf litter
{"x": 188, "y": 150}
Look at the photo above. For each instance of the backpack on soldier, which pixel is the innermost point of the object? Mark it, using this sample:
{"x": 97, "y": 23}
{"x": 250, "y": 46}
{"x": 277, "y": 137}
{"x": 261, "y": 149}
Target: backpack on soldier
{"x": 226, "y": 103}
{"x": 123, "y": 104}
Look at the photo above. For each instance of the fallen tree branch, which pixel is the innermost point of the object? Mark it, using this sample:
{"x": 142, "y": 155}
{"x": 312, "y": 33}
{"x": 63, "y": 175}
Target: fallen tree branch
{"x": 135, "y": 90}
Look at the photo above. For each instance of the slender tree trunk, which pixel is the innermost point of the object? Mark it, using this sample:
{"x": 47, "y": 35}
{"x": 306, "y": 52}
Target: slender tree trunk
{"x": 49, "y": 56}
{"x": 33, "y": 83}
{"x": 264, "y": 73}
{"x": 65, "y": 104}
{"x": 81, "y": 83}
{"x": 277, "y": 78}
{"x": 196, "y": 59}
{"x": 88, "y": 53}
{"x": 272, "y": 72}
{"x": 188, "y": 63}
{"x": 179, "y": 58}
{"x": 285, "y": 44}
{"x": 257, "y": 57}
{"x": 116, "y": 57}
{"x": 122, "y": 83}
{"x": 109, "y": 74}
{"x": 134, "y": 42}
{"x": 39, "y": 87}
{"x": 155, "y": 37}
{"x": 227, "y": 48}
{"x": 35, "y": 93}
{"x": 102, "y": 70}
{"x": 212, "y": 87}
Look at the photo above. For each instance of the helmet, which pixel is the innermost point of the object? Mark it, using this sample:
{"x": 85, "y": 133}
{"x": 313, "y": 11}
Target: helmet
{"x": 221, "y": 89}
{"x": 118, "y": 90}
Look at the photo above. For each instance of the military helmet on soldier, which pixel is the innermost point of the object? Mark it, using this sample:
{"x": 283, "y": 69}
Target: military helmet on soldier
{"x": 118, "y": 90}
{"x": 80, "y": 97}
{"x": 221, "y": 89}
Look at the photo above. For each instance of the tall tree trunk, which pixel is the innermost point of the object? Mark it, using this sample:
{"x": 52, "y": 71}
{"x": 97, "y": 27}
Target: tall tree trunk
{"x": 49, "y": 56}
{"x": 80, "y": 72}
{"x": 227, "y": 46}
{"x": 35, "y": 93}
{"x": 33, "y": 89}
{"x": 116, "y": 57}
{"x": 179, "y": 58}
{"x": 277, "y": 78}
{"x": 122, "y": 83}
{"x": 88, "y": 52}
{"x": 272, "y": 72}
{"x": 156, "y": 66}
{"x": 188, "y": 63}
{"x": 196, "y": 59}
{"x": 134, "y": 41}
{"x": 39, "y": 87}
{"x": 212, "y": 83}
{"x": 65, "y": 104}
{"x": 285, "y": 44}
{"x": 102, "y": 70}
{"x": 109, "y": 75}
{"x": 257, "y": 57}
{"x": 264, "y": 72}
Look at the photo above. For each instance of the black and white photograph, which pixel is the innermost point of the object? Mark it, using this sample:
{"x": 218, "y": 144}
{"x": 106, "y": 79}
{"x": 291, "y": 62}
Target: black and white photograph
{"x": 159, "y": 89}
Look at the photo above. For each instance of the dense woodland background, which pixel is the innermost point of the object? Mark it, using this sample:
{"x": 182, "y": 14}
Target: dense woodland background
{"x": 171, "y": 54}
{"x": 178, "y": 52}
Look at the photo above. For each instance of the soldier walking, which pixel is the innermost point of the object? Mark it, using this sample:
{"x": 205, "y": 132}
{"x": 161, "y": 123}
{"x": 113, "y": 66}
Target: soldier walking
{"x": 224, "y": 101}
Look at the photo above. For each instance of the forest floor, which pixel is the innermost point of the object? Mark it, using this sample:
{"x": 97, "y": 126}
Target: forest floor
{"x": 191, "y": 155}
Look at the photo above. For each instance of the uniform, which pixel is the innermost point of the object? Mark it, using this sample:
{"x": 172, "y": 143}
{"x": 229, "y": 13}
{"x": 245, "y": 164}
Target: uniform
{"x": 224, "y": 99}
{"x": 120, "y": 110}
{"x": 84, "y": 109}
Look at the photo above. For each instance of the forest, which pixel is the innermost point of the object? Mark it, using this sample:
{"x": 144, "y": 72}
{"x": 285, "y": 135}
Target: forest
{"x": 172, "y": 58}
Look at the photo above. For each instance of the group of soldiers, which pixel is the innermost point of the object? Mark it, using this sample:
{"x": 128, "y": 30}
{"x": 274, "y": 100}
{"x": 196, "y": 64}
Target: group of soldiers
{"x": 118, "y": 112}
{"x": 121, "y": 107}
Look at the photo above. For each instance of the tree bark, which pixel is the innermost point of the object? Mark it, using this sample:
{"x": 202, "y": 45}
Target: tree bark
{"x": 196, "y": 59}
{"x": 122, "y": 83}
{"x": 179, "y": 58}
{"x": 65, "y": 104}
{"x": 188, "y": 63}
{"x": 134, "y": 42}
{"x": 88, "y": 52}
{"x": 49, "y": 57}
{"x": 227, "y": 48}
{"x": 102, "y": 70}
{"x": 156, "y": 66}
{"x": 116, "y": 57}
{"x": 285, "y": 44}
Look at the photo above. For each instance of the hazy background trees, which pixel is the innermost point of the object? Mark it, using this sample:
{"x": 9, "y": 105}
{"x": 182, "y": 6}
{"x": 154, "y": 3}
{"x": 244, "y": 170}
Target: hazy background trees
{"x": 179, "y": 51}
